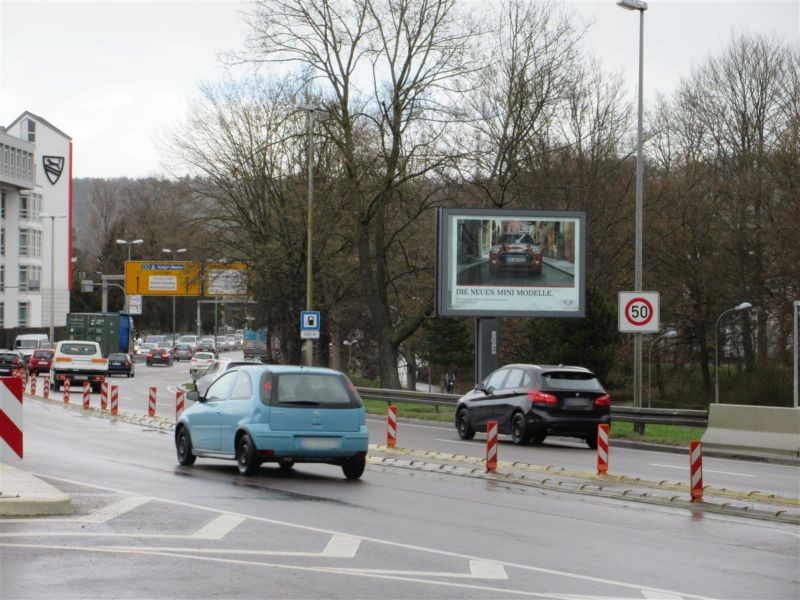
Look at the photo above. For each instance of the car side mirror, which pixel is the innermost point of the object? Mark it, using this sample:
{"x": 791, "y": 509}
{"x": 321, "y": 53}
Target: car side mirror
{"x": 193, "y": 395}
{"x": 481, "y": 387}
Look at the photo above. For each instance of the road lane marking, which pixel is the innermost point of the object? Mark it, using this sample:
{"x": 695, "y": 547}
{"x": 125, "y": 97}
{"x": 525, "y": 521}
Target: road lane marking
{"x": 342, "y": 546}
{"x": 219, "y": 527}
{"x": 114, "y": 510}
{"x": 704, "y": 470}
{"x": 477, "y": 445}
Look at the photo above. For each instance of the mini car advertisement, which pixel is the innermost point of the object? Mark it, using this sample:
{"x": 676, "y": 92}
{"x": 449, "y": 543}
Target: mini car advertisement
{"x": 510, "y": 263}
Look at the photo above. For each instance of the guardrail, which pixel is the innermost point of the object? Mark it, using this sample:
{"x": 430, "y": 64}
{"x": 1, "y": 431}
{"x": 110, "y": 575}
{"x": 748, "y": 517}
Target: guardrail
{"x": 628, "y": 414}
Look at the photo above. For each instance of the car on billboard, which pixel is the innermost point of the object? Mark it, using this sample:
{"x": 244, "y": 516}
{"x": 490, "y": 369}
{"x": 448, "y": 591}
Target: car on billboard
{"x": 530, "y": 402}
{"x": 515, "y": 252}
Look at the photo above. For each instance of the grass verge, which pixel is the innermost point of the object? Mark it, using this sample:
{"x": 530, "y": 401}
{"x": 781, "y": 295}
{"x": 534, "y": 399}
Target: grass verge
{"x": 672, "y": 435}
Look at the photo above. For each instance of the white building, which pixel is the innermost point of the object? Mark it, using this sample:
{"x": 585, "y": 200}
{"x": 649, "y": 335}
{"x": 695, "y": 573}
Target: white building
{"x": 35, "y": 182}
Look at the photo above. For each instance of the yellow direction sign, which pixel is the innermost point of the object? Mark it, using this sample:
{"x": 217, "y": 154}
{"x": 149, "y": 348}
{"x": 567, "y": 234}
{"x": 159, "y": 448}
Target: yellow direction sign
{"x": 226, "y": 279}
{"x": 162, "y": 278}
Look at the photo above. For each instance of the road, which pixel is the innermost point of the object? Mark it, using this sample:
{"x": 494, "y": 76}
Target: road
{"x": 549, "y": 276}
{"x": 146, "y": 527}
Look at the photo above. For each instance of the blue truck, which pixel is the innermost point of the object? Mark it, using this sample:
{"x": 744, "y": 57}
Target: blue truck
{"x": 113, "y": 331}
{"x": 256, "y": 345}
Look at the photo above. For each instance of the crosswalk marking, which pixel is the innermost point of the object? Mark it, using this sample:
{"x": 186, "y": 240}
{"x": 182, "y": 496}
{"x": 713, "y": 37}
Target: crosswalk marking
{"x": 114, "y": 510}
{"x": 219, "y": 527}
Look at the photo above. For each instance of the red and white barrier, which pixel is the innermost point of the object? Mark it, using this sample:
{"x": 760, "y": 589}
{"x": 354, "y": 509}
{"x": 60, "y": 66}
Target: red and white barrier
{"x": 11, "y": 417}
{"x": 66, "y": 391}
{"x": 114, "y": 399}
{"x": 104, "y": 396}
{"x": 33, "y": 384}
{"x": 87, "y": 390}
{"x": 391, "y": 426}
{"x": 46, "y": 390}
{"x": 491, "y": 446}
{"x": 151, "y": 405}
{"x": 179, "y": 395}
{"x": 696, "y": 470}
{"x": 602, "y": 448}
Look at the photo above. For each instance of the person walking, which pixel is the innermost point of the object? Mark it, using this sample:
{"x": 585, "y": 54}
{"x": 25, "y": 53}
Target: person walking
{"x": 450, "y": 381}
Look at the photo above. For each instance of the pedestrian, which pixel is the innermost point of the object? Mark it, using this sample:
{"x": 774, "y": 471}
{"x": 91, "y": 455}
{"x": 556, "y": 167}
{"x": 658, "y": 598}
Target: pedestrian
{"x": 450, "y": 381}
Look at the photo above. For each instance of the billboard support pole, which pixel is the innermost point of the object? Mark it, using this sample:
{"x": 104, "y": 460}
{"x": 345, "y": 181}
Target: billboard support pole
{"x": 486, "y": 342}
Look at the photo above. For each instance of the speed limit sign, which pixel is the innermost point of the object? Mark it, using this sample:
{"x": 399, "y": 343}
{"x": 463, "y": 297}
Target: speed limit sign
{"x": 639, "y": 312}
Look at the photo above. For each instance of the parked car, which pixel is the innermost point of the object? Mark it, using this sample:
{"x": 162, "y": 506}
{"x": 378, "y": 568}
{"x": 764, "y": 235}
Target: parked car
{"x": 158, "y": 356}
{"x": 41, "y": 361}
{"x": 200, "y": 363}
{"x": 215, "y": 369}
{"x": 515, "y": 252}
{"x": 11, "y": 363}
{"x": 120, "y": 364}
{"x": 284, "y": 414}
{"x": 183, "y": 352}
{"x": 530, "y": 402}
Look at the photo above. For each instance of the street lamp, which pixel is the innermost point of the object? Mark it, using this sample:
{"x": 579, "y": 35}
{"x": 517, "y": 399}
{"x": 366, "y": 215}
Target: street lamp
{"x": 127, "y": 308}
{"x": 668, "y": 335}
{"x": 637, "y": 339}
{"x": 171, "y": 251}
{"x": 742, "y": 306}
{"x": 53, "y": 218}
{"x": 349, "y": 344}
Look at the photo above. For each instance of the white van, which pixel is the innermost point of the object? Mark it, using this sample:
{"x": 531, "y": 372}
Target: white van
{"x": 28, "y": 343}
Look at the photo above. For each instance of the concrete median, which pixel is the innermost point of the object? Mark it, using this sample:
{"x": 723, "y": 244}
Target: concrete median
{"x": 753, "y": 430}
{"x": 23, "y": 494}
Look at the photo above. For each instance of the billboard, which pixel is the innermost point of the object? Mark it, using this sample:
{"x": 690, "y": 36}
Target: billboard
{"x": 510, "y": 263}
{"x": 226, "y": 279}
{"x": 162, "y": 278}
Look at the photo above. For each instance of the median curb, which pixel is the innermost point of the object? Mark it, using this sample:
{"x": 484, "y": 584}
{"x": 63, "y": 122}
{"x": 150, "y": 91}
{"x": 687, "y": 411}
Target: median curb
{"x": 24, "y": 495}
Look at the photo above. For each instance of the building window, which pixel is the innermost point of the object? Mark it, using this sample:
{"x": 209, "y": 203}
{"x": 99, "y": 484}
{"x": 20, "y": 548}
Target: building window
{"x": 2, "y": 278}
{"x": 24, "y": 312}
{"x": 2, "y": 314}
{"x": 30, "y": 278}
{"x": 29, "y": 130}
{"x": 30, "y": 243}
{"x": 2, "y": 241}
{"x": 30, "y": 206}
{"x": 2, "y": 204}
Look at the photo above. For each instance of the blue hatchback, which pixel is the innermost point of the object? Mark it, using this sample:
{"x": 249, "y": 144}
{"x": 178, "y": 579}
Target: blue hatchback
{"x": 275, "y": 413}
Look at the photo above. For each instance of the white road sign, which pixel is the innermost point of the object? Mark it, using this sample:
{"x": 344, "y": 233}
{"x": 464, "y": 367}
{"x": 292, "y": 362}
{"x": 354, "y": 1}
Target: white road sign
{"x": 639, "y": 312}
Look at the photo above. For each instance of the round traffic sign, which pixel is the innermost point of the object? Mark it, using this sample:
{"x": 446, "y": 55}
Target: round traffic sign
{"x": 639, "y": 312}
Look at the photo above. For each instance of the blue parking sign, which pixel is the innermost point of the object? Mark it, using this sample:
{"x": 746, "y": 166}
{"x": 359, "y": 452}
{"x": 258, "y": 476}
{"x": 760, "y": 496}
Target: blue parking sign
{"x": 309, "y": 320}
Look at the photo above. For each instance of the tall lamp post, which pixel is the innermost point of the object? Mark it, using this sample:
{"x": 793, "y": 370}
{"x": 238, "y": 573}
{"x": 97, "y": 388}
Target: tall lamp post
{"x": 637, "y": 340}
{"x": 310, "y": 224}
{"x": 668, "y": 335}
{"x": 127, "y": 307}
{"x": 349, "y": 344}
{"x": 742, "y": 306}
{"x": 171, "y": 251}
{"x": 53, "y": 218}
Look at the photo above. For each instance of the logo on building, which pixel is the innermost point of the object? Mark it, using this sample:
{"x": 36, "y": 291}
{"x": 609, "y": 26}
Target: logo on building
{"x": 53, "y": 165}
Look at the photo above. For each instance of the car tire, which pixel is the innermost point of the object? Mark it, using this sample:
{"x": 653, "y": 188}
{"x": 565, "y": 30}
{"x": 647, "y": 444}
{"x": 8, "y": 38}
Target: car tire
{"x": 519, "y": 433}
{"x": 591, "y": 441}
{"x": 463, "y": 426}
{"x": 183, "y": 448}
{"x": 286, "y": 466}
{"x": 353, "y": 468}
{"x": 246, "y": 458}
{"x": 537, "y": 440}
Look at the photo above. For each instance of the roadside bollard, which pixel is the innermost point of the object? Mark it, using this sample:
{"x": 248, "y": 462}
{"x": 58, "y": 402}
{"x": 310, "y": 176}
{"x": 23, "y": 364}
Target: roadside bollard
{"x": 696, "y": 470}
{"x": 114, "y": 399}
{"x": 178, "y": 404}
{"x": 602, "y": 448}
{"x": 33, "y": 384}
{"x": 151, "y": 405}
{"x": 87, "y": 390}
{"x": 46, "y": 390}
{"x": 66, "y": 391}
{"x": 104, "y": 395}
{"x": 391, "y": 426}
{"x": 491, "y": 446}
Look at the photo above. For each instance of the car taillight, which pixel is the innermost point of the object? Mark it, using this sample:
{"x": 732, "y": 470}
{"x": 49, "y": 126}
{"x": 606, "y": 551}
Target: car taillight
{"x": 16, "y": 362}
{"x": 604, "y": 400}
{"x": 537, "y": 397}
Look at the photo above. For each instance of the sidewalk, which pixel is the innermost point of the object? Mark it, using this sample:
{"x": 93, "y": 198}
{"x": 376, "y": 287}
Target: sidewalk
{"x": 22, "y": 494}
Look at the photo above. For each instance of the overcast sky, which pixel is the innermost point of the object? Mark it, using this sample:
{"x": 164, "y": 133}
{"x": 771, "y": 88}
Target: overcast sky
{"x": 114, "y": 74}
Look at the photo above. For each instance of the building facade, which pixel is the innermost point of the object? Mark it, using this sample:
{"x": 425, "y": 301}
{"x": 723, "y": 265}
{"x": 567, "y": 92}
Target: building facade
{"x": 35, "y": 223}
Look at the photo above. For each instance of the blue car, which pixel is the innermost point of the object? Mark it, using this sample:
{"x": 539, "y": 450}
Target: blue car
{"x": 275, "y": 413}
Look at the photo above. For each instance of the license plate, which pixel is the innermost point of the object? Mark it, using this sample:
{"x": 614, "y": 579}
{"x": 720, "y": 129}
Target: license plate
{"x": 81, "y": 377}
{"x": 5, "y": 371}
{"x": 515, "y": 259}
{"x": 317, "y": 443}
{"x": 115, "y": 364}
{"x": 577, "y": 402}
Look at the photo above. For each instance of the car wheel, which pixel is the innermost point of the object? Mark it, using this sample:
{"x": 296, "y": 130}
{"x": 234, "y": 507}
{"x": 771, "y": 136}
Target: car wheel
{"x": 183, "y": 446}
{"x": 353, "y": 468}
{"x": 591, "y": 441}
{"x": 464, "y": 427}
{"x": 518, "y": 429}
{"x": 537, "y": 440}
{"x": 246, "y": 458}
{"x": 286, "y": 465}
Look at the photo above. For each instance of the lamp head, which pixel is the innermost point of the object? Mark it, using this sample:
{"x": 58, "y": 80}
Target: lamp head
{"x": 743, "y": 306}
{"x": 632, "y": 4}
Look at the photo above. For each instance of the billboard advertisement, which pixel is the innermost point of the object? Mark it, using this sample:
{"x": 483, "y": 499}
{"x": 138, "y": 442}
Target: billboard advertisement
{"x": 162, "y": 278}
{"x": 498, "y": 263}
{"x": 226, "y": 279}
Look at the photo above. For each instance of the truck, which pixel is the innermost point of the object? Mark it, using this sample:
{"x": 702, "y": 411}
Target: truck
{"x": 78, "y": 361}
{"x": 256, "y": 345}
{"x": 113, "y": 331}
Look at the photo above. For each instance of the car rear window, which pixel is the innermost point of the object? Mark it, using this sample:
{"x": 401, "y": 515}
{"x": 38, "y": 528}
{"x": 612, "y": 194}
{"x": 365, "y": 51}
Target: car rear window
{"x": 203, "y": 355}
{"x": 569, "y": 380}
{"x": 309, "y": 389}
{"x": 117, "y": 357}
{"x": 43, "y": 353}
{"x": 8, "y": 356}
{"x": 79, "y": 349}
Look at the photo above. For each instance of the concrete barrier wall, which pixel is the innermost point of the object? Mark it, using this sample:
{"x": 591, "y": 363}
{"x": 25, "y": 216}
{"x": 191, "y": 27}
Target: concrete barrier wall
{"x": 753, "y": 429}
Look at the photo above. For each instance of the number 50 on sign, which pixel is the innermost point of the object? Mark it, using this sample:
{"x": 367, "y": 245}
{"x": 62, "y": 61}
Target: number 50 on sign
{"x": 639, "y": 312}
